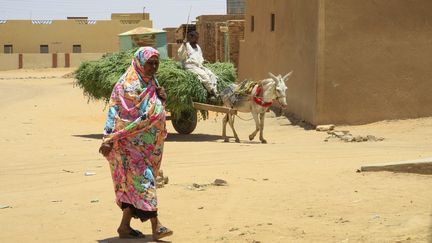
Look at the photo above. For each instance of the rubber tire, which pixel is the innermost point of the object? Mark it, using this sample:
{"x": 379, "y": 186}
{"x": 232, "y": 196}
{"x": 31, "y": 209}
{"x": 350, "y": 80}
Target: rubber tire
{"x": 186, "y": 123}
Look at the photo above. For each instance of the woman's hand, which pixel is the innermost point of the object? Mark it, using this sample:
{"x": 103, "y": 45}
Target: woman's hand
{"x": 161, "y": 93}
{"x": 105, "y": 148}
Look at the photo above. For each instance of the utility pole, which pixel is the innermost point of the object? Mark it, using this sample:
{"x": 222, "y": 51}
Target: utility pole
{"x": 143, "y": 12}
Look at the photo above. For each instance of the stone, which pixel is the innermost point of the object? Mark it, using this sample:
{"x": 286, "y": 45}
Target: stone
{"x": 347, "y": 138}
{"x": 220, "y": 182}
{"x": 324, "y": 128}
{"x": 338, "y": 133}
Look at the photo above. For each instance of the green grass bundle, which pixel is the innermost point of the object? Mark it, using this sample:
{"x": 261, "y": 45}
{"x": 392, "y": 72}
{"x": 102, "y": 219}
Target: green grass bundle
{"x": 97, "y": 79}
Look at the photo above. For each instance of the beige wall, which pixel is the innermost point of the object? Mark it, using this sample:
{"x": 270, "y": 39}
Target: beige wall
{"x": 8, "y": 61}
{"x": 211, "y": 38}
{"x": 292, "y": 46}
{"x": 377, "y": 61}
{"x": 61, "y": 35}
{"x": 130, "y": 16}
{"x": 38, "y": 60}
{"x": 354, "y": 61}
{"x": 33, "y": 60}
{"x": 77, "y": 58}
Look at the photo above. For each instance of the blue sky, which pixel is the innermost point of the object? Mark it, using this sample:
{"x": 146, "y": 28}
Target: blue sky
{"x": 164, "y": 13}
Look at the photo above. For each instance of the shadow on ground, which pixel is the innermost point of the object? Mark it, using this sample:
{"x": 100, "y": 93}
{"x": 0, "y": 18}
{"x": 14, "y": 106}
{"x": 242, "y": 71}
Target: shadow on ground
{"x": 292, "y": 118}
{"x": 172, "y": 137}
{"x": 118, "y": 240}
{"x": 193, "y": 137}
{"x": 92, "y": 136}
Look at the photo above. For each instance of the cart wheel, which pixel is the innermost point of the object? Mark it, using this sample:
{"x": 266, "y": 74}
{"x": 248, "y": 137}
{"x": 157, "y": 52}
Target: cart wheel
{"x": 186, "y": 123}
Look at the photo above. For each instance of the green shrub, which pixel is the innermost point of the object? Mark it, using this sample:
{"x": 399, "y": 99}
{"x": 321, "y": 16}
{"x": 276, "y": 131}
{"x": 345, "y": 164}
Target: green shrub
{"x": 97, "y": 79}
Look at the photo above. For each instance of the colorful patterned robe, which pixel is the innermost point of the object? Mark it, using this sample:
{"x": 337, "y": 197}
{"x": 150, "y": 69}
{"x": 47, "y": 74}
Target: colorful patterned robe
{"x": 136, "y": 126}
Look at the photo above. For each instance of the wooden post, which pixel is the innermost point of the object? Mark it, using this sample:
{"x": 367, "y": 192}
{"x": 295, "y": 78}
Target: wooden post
{"x": 54, "y": 60}
{"x": 20, "y": 61}
{"x": 67, "y": 60}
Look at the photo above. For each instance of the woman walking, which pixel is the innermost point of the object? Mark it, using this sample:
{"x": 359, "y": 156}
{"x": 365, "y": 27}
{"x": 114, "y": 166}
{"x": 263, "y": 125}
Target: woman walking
{"x": 133, "y": 141}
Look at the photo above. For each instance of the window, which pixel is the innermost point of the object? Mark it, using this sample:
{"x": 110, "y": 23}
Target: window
{"x": 272, "y": 22}
{"x": 252, "y": 23}
{"x": 76, "y": 49}
{"x": 8, "y": 49}
{"x": 44, "y": 49}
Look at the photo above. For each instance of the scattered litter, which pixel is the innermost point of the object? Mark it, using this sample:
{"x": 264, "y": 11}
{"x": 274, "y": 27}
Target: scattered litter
{"x": 201, "y": 208}
{"x": 265, "y": 179}
{"x": 68, "y": 171}
{"x": 251, "y": 179}
{"x": 196, "y": 185}
{"x": 56, "y": 201}
{"x": 4, "y": 206}
{"x": 94, "y": 201}
{"x": 233, "y": 229}
{"x": 89, "y": 173}
{"x": 342, "y": 220}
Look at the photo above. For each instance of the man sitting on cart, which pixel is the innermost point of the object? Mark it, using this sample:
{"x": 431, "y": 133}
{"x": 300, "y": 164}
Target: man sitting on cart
{"x": 192, "y": 60}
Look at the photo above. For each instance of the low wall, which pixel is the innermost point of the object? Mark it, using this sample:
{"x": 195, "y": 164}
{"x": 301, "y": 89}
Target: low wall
{"x": 45, "y": 60}
{"x": 32, "y": 60}
{"x": 77, "y": 58}
{"x": 9, "y": 61}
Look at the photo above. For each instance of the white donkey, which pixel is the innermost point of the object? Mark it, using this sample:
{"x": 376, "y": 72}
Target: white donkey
{"x": 260, "y": 99}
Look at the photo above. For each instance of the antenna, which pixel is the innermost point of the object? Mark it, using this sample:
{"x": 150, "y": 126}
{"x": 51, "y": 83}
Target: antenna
{"x": 143, "y": 13}
{"x": 187, "y": 24}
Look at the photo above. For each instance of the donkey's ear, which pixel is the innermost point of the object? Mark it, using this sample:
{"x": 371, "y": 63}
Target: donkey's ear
{"x": 272, "y": 75}
{"x": 287, "y": 75}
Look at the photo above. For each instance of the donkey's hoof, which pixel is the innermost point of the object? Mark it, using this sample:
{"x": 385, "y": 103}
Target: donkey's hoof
{"x": 237, "y": 140}
{"x": 251, "y": 137}
{"x": 226, "y": 140}
{"x": 263, "y": 141}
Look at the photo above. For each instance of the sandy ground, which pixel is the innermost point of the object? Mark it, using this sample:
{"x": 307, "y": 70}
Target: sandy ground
{"x": 297, "y": 188}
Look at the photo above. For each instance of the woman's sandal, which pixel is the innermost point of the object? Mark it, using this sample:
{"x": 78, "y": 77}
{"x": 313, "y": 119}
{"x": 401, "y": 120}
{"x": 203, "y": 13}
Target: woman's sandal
{"x": 162, "y": 232}
{"x": 132, "y": 234}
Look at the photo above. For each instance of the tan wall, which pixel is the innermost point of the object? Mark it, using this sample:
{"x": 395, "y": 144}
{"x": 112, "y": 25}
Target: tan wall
{"x": 354, "y": 61}
{"x": 172, "y": 49}
{"x": 61, "y": 35}
{"x": 235, "y": 35}
{"x": 32, "y": 60}
{"x": 210, "y": 37}
{"x": 77, "y": 58}
{"x": 8, "y": 61}
{"x": 130, "y": 16}
{"x": 292, "y": 46}
{"x": 171, "y": 35}
{"x": 377, "y": 59}
{"x": 38, "y": 60}
{"x": 61, "y": 62}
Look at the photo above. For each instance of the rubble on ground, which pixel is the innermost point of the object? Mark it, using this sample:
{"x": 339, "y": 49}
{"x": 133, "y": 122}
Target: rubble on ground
{"x": 346, "y": 136}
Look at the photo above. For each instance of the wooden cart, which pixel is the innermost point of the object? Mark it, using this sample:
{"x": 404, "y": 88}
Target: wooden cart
{"x": 188, "y": 120}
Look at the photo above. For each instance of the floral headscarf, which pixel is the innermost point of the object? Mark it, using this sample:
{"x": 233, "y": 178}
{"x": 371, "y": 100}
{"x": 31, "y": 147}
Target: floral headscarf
{"x": 141, "y": 56}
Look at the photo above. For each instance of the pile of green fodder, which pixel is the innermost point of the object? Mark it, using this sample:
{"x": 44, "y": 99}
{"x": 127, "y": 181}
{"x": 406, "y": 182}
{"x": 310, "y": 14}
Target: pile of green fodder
{"x": 97, "y": 79}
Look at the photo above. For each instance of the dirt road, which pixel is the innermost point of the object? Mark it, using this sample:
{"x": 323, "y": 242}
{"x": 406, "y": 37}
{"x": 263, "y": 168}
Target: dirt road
{"x": 296, "y": 188}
